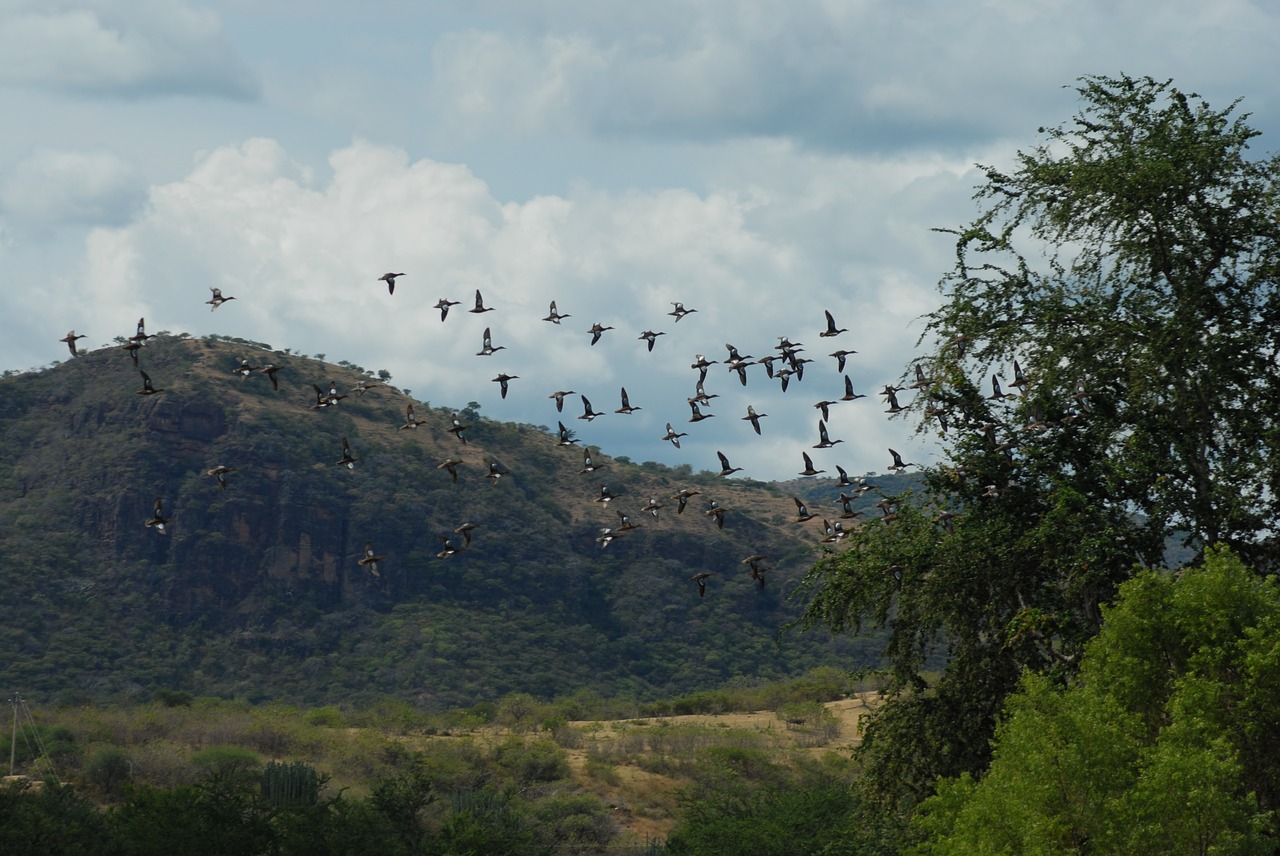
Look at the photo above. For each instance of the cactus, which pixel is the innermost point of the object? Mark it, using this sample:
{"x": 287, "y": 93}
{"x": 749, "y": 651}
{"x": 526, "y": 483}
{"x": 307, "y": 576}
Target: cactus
{"x": 290, "y": 784}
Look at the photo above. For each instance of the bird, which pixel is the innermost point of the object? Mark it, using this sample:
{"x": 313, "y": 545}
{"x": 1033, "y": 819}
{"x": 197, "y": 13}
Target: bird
{"x": 566, "y": 438}
{"x": 756, "y": 562}
{"x": 390, "y": 280}
{"x": 443, "y": 305}
{"x": 448, "y": 548}
{"x": 626, "y": 525}
{"x": 898, "y": 465}
{"x": 607, "y": 537}
{"x": 486, "y": 346}
{"x": 554, "y": 315}
{"x": 650, "y": 337}
{"x": 701, "y": 395}
{"x": 998, "y": 394}
{"x": 849, "y": 394}
{"x": 456, "y": 428}
{"x": 808, "y": 466}
{"x": 844, "y": 477}
{"x": 1019, "y": 378}
{"x": 840, "y": 357}
{"x": 410, "y": 421}
{"x": 891, "y": 399}
{"x": 348, "y": 460}
{"x": 596, "y": 331}
{"x": 363, "y": 386}
{"x": 141, "y": 336}
{"x": 701, "y": 580}
{"x": 673, "y": 436}
{"x": 70, "y": 339}
{"x": 132, "y": 348}
{"x": 725, "y": 469}
{"x": 217, "y": 299}
{"x": 698, "y": 415}
{"x": 496, "y": 470}
{"x": 682, "y": 498}
{"x": 679, "y": 311}
{"x": 450, "y": 464}
{"x": 605, "y": 496}
{"x": 244, "y": 369}
{"x": 831, "y": 326}
{"x": 652, "y": 507}
{"x": 270, "y": 370}
{"x": 588, "y": 465}
{"x": 716, "y": 512}
{"x": 220, "y": 473}
{"x": 502, "y": 379}
{"x": 754, "y": 418}
{"x": 559, "y": 395}
{"x": 823, "y": 407}
{"x": 370, "y": 560}
{"x": 626, "y": 407}
{"x": 158, "y": 521}
{"x": 701, "y": 364}
{"x": 147, "y": 388}
{"x": 802, "y": 510}
{"x": 824, "y": 441}
{"x": 464, "y": 529}
{"x": 922, "y": 381}
{"x": 587, "y": 413}
{"x": 322, "y": 398}
{"x": 480, "y": 307}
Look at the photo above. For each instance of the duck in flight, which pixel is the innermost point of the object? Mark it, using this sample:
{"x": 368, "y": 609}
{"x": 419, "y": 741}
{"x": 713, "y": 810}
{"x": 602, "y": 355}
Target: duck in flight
{"x": 390, "y": 280}
{"x": 480, "y": 307}
{"x": 554, "y": 316}
{"x": 443, "y": 305}
{"x": 831, "y": 330}
{"x": 502, "y": 379}
{"x": 679, "y": 311}
{"x": 348, "y": 460}
{"x": 725, "y": 469}
{"x": 158, "y": 521}
{"x": 370, "y": 560}
{"x": 217, "y": 299}
{"x": 147, "y": 388}
{"x": 70, "y": 339}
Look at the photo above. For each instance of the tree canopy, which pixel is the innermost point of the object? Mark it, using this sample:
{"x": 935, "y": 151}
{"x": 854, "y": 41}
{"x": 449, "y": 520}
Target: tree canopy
{"x": 1120, "y": 280}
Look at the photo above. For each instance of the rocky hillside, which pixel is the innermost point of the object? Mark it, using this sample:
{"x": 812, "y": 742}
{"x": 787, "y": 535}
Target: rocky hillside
{"x": 256, "y": 588}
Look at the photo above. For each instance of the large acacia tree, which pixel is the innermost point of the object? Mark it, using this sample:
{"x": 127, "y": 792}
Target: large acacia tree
{"x": 1119, "y": 285}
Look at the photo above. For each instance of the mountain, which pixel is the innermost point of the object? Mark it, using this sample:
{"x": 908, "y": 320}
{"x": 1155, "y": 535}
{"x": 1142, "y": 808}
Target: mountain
{"x": 256, "y": 588}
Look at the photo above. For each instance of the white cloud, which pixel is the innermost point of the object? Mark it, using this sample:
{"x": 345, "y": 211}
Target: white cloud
{"x": 52, "y": 187}
{"x": 303, "y": 258}
{"x": 124, "y": 48}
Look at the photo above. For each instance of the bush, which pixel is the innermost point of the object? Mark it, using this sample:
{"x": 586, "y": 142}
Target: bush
{"x": 108, "y": 771}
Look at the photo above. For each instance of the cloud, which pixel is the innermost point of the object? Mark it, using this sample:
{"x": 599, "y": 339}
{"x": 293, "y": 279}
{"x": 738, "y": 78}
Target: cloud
{"x": 303, "y": 257}
{"x": 870, "y": 76}
{"x": 52, "y": 187}
{"x": 120, "y": 48}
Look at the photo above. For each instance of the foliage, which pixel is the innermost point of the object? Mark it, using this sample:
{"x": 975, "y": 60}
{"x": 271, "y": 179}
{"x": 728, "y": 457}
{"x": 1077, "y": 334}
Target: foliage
{"x": 1121, "y": 279}
{"x": 1157, "y": 748}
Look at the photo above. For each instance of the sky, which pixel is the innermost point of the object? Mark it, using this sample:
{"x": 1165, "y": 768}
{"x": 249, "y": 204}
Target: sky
{"x": 759, "y": 162}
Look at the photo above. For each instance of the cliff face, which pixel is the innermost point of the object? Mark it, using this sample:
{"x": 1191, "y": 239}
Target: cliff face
{"x": 257, "y": 588}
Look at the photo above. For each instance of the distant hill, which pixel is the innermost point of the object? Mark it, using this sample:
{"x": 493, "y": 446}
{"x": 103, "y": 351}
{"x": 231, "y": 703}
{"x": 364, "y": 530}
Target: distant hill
{"x": 257, "y": 590}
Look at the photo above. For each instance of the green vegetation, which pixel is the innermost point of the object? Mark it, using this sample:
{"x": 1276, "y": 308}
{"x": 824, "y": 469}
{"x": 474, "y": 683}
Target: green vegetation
{"x": 1128, "y": 266}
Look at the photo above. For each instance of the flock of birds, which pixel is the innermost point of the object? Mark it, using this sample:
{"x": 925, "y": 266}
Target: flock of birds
{"x": 785, "y": 366}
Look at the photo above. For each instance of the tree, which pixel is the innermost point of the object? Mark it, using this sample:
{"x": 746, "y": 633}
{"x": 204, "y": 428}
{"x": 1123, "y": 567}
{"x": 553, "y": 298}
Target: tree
{"x": 1154, "y": 749}
{"x": 1121, "y": 280}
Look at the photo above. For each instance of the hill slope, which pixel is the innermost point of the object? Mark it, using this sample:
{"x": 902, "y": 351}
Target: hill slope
{"x": 257, "y": 590}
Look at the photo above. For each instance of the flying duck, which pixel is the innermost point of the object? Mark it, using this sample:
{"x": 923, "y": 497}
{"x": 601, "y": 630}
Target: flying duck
{"x": 650, "y": 337}
{"x": 596, "y": 331}
{"x": 158, "y": 521}
{"x": 559, "y": 395}
{"x": 553, "y": 316}
{"x": 626, "y": 407}
{"x": 217, "y": 299}
{"x": 701, "y": 580}
{"x": 443, "y": 305}
{"x": 348, "y": 460}
{"x": 147, "y": 388}
{"x": 808, "y": 466}
{"x": 370, "y": 560}
{"x": 754, "y": 418}
{"x": 486, "y": 347}
{"x": 480, "y": 307}
{"x": 502, "y": 379}
{"x": 679, "y": 311}
{"x": 725, "y": 469}
{"x": 831, "y": 326}
{"x": 220, "y": 473}
{"x": 450, "y": 464}
{"x": 70, "y": 339}
{"x": 673, "y": 436}
{"x": 390, "y": 280}
{"x": 587, "y": 413}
